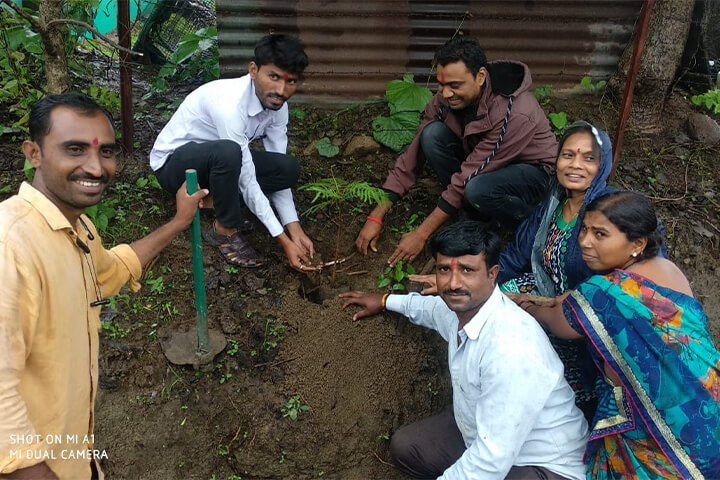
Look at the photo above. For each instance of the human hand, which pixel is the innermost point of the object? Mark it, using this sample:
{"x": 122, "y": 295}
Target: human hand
{"x": 368, "y": 237}
{"x": 297, "y": 258}
{"x": 371, "y": 303}
{"x": 300, "y": 238}
{"x": 186, "y": 205}
{"x": 526, "y": 301}
{"x": 37, "y": 472}
{"x": 429, "y": 280}
{"x": 410, "y": 246}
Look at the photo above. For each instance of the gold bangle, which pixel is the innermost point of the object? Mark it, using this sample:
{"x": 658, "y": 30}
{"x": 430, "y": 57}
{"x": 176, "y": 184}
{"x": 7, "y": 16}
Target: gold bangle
{"x": 384, "y": 299}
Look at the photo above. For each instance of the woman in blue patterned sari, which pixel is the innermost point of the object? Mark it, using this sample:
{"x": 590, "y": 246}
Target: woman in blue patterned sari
{"x": 659, "y": 395}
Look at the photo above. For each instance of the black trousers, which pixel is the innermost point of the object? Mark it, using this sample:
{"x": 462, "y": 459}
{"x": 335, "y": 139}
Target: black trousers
{"x": 218, "y": 164}
{"x": 426, "y": 448}
{"x": 507, "y": 195}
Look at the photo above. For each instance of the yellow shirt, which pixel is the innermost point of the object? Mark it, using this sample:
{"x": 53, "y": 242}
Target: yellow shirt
{"x": 49, "y": 332}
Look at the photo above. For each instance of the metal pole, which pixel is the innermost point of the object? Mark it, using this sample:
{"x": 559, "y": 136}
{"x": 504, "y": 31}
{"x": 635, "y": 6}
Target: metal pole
{"x": 640, "y": 37}
{"x": 203, "y": 346}
{"x": 123, "y": 27}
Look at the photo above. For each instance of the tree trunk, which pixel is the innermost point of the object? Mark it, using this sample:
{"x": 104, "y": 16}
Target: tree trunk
{"x": 668, "y": 31}
{"x": 57, "y": 74}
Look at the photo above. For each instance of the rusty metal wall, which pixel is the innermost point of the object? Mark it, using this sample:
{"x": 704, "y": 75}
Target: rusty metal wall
{"x": 356, "y": 47}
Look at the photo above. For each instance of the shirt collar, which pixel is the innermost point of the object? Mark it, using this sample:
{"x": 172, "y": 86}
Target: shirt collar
{"x": 52, "y": 214}
{"x": 254, "y": 106}
{"x": 473, "y": 327}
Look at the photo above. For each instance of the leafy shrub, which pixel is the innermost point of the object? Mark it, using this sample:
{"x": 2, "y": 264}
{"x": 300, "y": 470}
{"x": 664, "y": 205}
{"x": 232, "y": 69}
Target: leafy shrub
{"x": 406, "y": 101}
{"x": 710, "y": 100}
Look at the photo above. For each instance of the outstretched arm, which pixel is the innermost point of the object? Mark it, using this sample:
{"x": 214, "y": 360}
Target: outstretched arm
{"x": 371, "y": 303}
{"x": 413, "y": 243}
{"x": 150, "y": 246}
{"x": 370, "y": 233}
{"x": 548, "y": 312}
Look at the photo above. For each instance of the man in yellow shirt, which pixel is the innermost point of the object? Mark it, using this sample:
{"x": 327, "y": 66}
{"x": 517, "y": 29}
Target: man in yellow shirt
{"x": 56, "y": 276}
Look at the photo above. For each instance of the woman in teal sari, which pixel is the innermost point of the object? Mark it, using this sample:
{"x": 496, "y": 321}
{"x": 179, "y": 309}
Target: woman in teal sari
{"x": 659, "y": 395}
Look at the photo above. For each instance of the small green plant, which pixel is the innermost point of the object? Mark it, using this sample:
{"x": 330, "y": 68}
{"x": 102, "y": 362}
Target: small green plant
{"x": 542, "y": 94}
{"x": 200, "y": 48}
{"x": 334, "y": 194}
{"x": 588, "y": 85}
{"x": 411, "y": 224}
{"x": 293, "y": 407}
{"x": 232, "y": 270}
{"x": 326, "y": 148}
{"x": 112, "y": 330}
{"x": 274, "y": 332}
{"x": 297, "y": 113}
{"x": 101, "y": 214}
{"x": 232, "y": 348}
{"x": 223, "y": 450}
{"x": 710, "y": 100}
{"x": 406, "y": 101}
{"x": 559, "y": 122}
{"x": 105, "y": 97}
{"x": 392, "y": 277}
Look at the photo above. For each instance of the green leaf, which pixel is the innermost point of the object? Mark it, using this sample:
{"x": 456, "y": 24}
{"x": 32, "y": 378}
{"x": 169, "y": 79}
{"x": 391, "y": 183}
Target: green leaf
{"x": 297, "y": 113}
{"x": 586, "y": 82}
{"x": 559, "y": 120}
{"x": 28, "y": 170}
{"x": 397, "y": 130}
{"x": 154, "y": 182}
{"x": 405, "y": 95}
{"x": 184, "y": 50}
{"x": 398, "y": 287}
{"x": 326, "y": 148}
{"x": 383, "y": 282}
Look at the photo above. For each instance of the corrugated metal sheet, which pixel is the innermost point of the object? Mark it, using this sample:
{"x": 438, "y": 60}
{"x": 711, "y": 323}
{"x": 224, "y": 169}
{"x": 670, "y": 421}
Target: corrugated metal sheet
{"x": 356, "y": 47}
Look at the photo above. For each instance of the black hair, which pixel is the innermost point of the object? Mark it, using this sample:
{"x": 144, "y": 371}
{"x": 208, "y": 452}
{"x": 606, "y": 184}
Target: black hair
{"x": 39, "y": 123}
{"x": 467, "y": 238}
{"x": 581, "y": 127}
{"x": 283, "y": 51}
{"x": 462, "y": 49}
{"x": 634, "y": 215}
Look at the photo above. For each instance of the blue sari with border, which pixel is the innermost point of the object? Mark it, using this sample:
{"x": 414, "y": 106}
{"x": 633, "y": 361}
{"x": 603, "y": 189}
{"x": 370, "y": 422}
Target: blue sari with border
{"x": 656, "y": 343}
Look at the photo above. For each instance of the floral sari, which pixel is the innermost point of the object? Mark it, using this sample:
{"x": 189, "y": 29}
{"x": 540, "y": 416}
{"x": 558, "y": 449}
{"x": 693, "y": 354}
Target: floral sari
{"x": 660, "y": 416}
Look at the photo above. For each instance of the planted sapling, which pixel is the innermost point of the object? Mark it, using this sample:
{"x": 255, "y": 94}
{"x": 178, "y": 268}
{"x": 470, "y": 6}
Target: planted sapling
{"x": 334, "y": 194}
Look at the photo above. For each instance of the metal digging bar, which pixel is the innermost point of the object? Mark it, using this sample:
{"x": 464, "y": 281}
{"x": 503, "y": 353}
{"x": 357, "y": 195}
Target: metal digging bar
{"x": 202, "y": 345}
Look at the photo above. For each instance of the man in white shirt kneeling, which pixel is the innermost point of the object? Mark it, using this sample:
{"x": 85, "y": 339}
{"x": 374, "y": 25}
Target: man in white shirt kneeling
{"x": 513, "y": 414}
{"x": 211, "y": 132}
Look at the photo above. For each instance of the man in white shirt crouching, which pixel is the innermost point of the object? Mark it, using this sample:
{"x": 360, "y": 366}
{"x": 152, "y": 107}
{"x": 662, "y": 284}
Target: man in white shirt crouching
{"x": 211, "y": 132}
{"x": 513, "y": 414}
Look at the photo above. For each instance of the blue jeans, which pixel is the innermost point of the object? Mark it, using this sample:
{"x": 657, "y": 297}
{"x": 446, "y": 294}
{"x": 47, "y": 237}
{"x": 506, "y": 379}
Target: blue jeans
{"x": 507, "y": 195}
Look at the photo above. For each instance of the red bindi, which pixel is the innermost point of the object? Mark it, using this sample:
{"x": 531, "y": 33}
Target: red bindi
{"x": 286, "y": 77}
{"x": 95, "y": 142}
{"x": 453, "y": 263}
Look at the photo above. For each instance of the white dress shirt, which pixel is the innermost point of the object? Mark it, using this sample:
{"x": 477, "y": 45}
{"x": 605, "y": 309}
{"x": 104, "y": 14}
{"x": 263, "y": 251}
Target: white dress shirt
{"x": 510, "y": 398}
{"x": 229, "y": 109}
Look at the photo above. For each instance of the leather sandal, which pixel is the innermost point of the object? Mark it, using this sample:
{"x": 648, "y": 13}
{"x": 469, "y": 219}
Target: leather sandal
{"x": 235, "y": 249}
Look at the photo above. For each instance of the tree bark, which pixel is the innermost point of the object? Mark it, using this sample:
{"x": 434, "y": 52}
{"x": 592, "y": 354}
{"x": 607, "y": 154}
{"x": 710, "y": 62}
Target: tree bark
{"x": 668, "y": 31}
{"x": 57, "y": 74}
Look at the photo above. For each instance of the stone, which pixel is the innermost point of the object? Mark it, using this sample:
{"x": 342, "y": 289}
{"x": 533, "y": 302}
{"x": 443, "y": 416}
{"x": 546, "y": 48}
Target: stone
{"x": 703, "y": 128}
{"x": 361, "y": 145}
{"x": 311, "y": 149}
